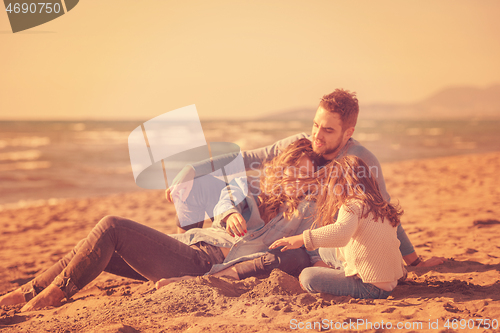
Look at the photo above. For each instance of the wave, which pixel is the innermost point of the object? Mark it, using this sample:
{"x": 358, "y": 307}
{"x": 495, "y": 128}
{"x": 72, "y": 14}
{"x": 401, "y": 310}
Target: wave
{"x": 21, "y": 155}
{"x": 104, "y": 136}
{"x": 29, "y": 141}
{"x": 31, "y": 203}
{"x": 25, "y": 166}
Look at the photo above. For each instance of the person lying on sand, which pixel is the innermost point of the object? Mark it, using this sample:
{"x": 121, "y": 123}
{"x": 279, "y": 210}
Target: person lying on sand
{"x": 332, "y": 129}
{"x": 130, "y": 249}
{"x": 364, "y": 234}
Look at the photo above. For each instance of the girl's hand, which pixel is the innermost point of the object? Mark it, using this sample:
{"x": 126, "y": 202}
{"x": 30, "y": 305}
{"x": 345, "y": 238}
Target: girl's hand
{"x": 289, "y": 243}
{"x": 236, "y": 225}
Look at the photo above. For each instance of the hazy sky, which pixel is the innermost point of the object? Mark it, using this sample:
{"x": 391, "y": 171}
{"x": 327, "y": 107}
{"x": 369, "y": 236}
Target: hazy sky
{"x": 130, "y": 59}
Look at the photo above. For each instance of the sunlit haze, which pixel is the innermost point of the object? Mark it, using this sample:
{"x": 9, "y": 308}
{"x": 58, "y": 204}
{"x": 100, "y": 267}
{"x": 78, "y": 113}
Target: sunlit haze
{"x": 124, "y": 59}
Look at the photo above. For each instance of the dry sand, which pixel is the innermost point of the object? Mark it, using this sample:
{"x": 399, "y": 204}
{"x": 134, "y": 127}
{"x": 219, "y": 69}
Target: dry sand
{"x": 452, "y": 209}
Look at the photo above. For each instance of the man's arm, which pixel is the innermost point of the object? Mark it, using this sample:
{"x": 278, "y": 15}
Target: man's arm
{"x": 373, "y": 165}
{"x": 406, "y": 247}
{"x": 253, "y": 160}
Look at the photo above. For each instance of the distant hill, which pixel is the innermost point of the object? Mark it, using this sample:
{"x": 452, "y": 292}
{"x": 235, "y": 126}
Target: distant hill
{"x": 298, "y": 114}
{"x": 449, "y": 103}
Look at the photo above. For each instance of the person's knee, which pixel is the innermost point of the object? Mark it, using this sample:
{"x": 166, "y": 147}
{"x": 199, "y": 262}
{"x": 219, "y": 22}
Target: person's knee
{"x": 110, "y": 221}
{"x": 207, "y": 186}
{"x": 302, "y": 260}
{"x": 307, "y": 279}
{"x": 292, "y": 261}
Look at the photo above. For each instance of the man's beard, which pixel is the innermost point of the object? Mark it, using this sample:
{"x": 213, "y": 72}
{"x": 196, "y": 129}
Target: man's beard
{"x": 324, "y": 150}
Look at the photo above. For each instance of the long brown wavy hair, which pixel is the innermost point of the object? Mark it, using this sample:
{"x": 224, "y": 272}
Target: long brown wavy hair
{"x": 283, "y": 174}
{"x": 348, "y": 179}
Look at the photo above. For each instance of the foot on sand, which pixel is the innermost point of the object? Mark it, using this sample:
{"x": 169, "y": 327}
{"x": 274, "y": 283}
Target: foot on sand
{"x": 164, "y": 282}
{"x": 50, "y": 296}
{"x": 12, "y": 298}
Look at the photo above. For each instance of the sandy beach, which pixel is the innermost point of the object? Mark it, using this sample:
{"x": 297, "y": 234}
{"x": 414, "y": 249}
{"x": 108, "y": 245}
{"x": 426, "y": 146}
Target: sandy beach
{"x": 452, "y": 209}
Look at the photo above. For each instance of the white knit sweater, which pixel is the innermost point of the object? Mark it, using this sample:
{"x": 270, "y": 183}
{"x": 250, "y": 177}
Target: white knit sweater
{"x": 369, "y": 248}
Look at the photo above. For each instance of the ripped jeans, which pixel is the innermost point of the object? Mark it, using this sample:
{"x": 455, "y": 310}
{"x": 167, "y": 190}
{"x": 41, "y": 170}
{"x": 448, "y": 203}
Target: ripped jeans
{"x": 126, "y": 248}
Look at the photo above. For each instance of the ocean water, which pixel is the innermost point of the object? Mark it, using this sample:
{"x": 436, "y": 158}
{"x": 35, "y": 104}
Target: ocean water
{"x": 50, "y": 160}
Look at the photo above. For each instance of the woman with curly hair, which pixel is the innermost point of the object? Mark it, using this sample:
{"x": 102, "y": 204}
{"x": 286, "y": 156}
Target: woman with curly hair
{"x": 279, "y": 203}
{"x": 352, "y": 217}
{"x": 239, "y": 233}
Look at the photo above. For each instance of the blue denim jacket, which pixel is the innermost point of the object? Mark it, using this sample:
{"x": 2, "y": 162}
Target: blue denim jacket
{"x": 260, "y": 235}
{"x": 255, "y": 158}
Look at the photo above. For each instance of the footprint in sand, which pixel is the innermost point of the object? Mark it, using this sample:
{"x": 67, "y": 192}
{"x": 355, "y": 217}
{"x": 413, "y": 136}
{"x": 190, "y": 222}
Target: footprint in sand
{"x": 482, "y": 223}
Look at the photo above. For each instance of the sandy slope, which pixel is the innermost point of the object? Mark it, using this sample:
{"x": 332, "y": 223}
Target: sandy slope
{"x": 452, "y": 209}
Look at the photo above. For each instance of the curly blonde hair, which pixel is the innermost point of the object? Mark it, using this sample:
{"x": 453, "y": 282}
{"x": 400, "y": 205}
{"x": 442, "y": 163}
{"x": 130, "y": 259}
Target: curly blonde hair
{"x": 277, "y": 180}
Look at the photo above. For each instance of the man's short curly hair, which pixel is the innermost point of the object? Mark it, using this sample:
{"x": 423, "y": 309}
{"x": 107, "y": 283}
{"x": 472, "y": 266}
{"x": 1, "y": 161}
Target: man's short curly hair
{"x": 345, "y": 104}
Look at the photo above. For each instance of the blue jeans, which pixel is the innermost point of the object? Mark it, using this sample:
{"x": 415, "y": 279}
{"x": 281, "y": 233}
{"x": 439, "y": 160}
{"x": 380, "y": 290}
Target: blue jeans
{"x": 333, "y": 281}
{"x": 329, "y": 257}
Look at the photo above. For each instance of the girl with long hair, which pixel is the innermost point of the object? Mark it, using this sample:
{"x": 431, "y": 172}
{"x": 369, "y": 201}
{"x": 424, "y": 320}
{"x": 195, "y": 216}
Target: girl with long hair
{"x": 239, "y": 233}
{"x": 281, "y": 199}
{"x": 352, "y": 217}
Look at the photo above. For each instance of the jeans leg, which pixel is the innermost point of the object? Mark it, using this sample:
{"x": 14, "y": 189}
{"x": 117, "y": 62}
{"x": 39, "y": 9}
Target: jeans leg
{"x": 40, "y": 282}
{"x": 329, "y": 257}
{"x": 151, "y": 253}
{"x": 333, "y": 281}
{"x": 118, "y": 266}
{"x": 291, "y": 262}
{"x": 202, "y": 199}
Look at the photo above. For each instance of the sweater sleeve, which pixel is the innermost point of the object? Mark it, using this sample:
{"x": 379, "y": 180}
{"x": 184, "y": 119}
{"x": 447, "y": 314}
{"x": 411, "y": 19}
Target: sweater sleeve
{"x": 337, "y": 234}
